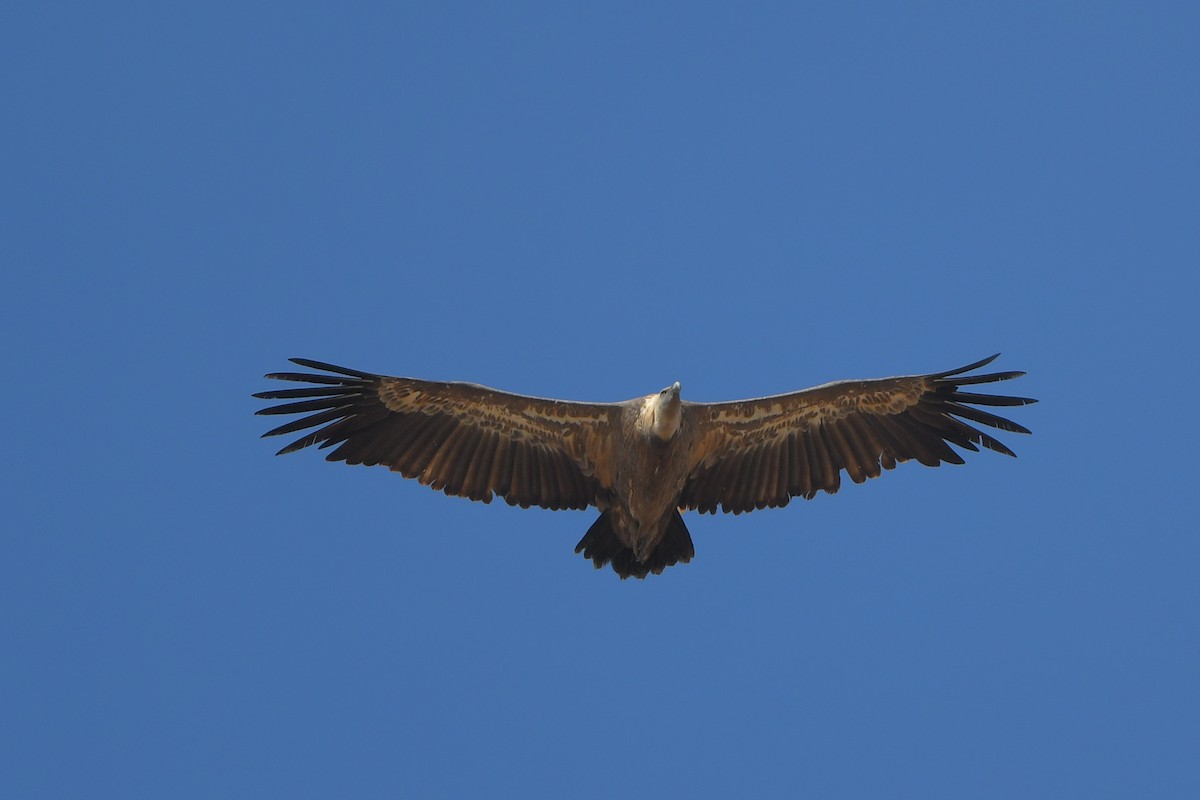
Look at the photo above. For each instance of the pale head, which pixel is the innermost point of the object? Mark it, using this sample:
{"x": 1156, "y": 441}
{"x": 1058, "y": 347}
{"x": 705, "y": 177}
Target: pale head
{"x": 661, "y": 413}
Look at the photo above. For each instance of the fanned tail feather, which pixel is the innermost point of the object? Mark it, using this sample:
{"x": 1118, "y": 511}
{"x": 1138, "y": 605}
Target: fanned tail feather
{"x": 602, "y": 546}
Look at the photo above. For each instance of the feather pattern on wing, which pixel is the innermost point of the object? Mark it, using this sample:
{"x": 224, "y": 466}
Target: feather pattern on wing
{"x": 461, "y": 438}
{"x": 760, "y": 453}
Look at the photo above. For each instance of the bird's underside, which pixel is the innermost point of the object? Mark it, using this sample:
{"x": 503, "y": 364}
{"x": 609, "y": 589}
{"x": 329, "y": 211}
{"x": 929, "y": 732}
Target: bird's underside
{"x": 643, "y": 461}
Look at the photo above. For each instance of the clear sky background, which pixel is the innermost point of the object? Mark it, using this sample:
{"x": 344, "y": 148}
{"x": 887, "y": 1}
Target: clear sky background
{"x": 591, "y": 202}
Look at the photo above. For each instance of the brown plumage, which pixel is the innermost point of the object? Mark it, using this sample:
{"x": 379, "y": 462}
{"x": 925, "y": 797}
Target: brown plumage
{"x": 642, "y": 461}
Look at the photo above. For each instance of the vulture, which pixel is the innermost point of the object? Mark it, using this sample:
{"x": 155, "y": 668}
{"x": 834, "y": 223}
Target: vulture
{"x": 643, "y": 461}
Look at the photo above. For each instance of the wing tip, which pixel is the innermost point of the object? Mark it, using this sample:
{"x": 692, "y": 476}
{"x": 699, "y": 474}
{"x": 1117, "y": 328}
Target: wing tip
{"x": 325, "y": 366}
{"x": 983, "y": 362}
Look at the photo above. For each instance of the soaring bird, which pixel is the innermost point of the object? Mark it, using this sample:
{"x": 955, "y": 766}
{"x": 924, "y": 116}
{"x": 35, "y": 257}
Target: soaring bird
{"x": 642, "y": 461}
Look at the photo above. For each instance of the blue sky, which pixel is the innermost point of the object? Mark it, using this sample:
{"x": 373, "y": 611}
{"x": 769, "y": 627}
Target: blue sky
{"x": 590, "y": 203}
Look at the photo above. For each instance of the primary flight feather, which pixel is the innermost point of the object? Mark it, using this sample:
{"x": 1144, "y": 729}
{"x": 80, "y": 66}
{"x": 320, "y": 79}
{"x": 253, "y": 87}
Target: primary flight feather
{"x": 642, "y": 461}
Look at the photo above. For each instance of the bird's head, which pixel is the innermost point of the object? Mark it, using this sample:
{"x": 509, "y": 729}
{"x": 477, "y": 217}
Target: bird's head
{"x": 662, "y": 412}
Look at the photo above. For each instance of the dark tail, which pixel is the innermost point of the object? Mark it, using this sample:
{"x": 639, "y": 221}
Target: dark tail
{"x": 601, "y": 545}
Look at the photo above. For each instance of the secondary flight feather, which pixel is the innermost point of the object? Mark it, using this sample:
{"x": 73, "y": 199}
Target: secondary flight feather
{"x": 642, "y": 461}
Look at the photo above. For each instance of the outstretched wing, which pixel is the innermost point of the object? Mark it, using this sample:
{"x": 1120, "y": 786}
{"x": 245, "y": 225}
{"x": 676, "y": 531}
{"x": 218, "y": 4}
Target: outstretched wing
{"x": 463, "y": 439}
{"x": 760, "y": 453}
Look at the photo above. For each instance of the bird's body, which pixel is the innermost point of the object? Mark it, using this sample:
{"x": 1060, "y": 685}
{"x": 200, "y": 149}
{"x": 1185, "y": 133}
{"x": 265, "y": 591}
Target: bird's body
{"x": 650, "y": 467}
{"x": 642, "y": 461}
